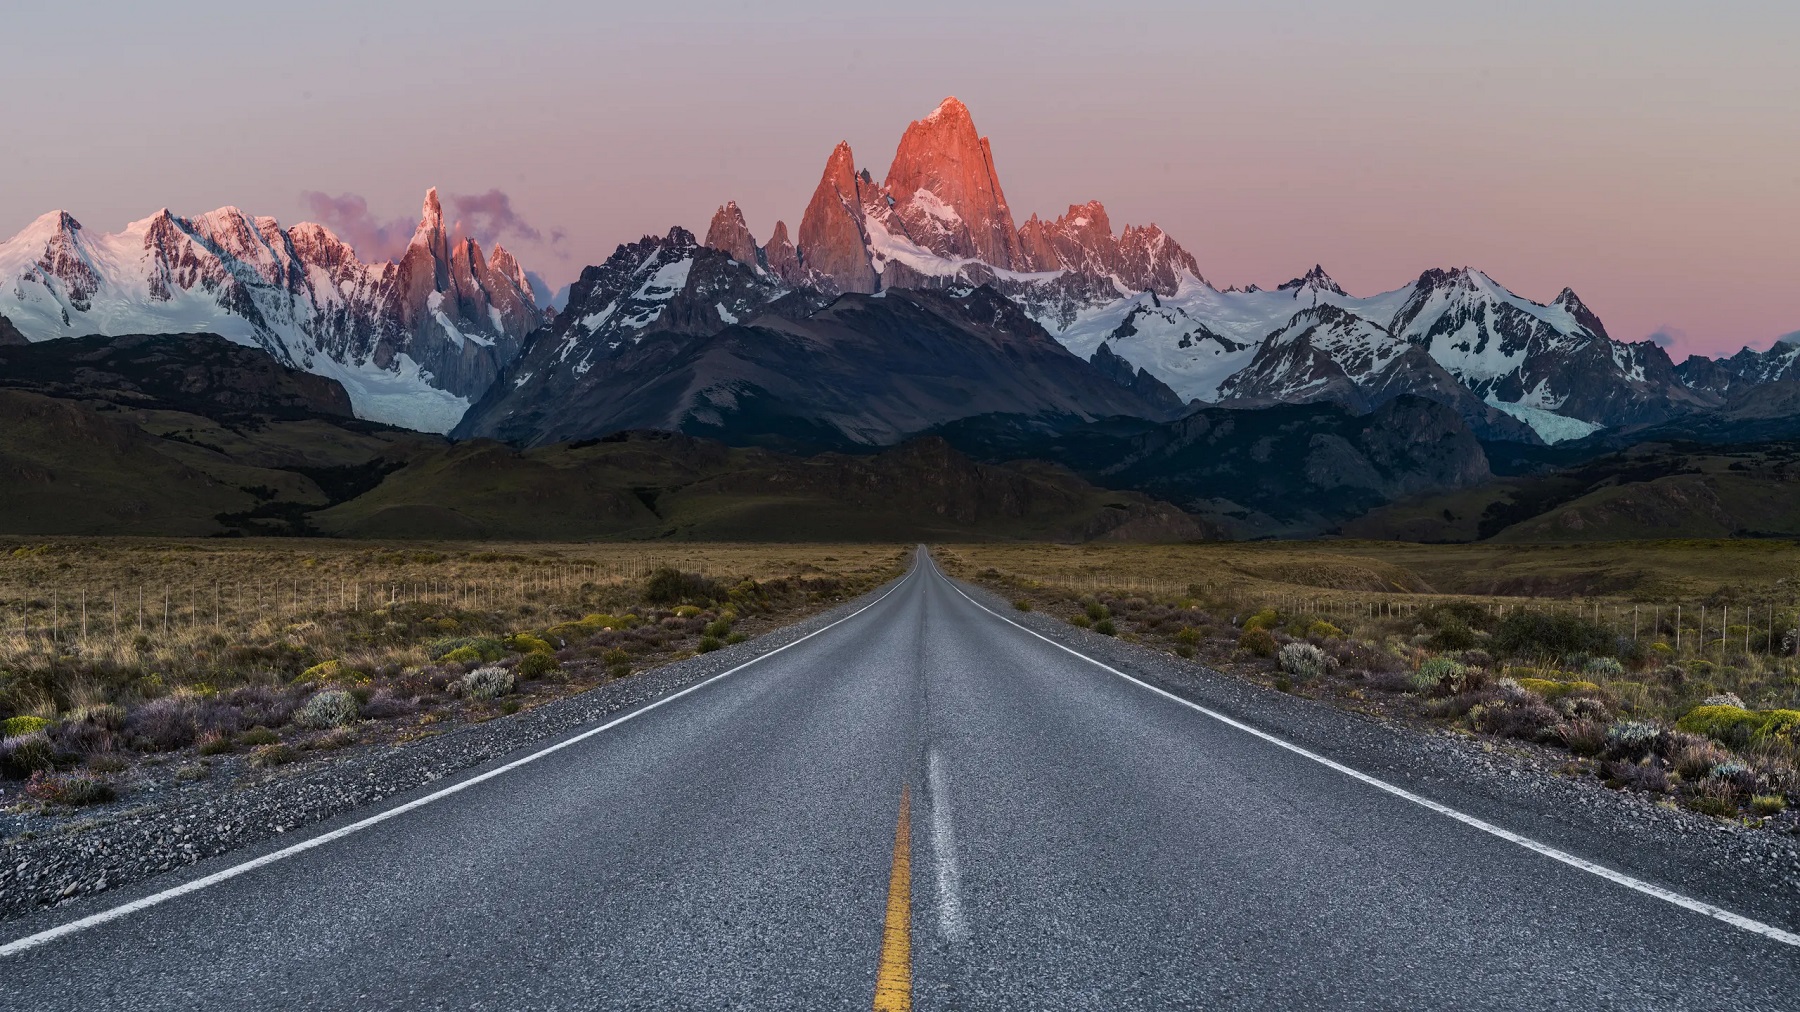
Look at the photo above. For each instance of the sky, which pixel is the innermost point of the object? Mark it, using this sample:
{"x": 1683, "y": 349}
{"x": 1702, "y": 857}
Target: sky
{"x": 1646, "y": 154}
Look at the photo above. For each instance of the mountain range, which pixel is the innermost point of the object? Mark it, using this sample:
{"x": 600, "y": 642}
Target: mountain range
{"x": 917, "y": 304}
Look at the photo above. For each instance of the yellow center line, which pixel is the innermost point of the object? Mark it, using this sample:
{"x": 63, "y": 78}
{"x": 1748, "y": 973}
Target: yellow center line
{"x": 893, "y": 981}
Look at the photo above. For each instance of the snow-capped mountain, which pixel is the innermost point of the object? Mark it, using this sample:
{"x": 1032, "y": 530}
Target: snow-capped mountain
{"x": 413, "y": 342}
{"x": 1747, "y": 368}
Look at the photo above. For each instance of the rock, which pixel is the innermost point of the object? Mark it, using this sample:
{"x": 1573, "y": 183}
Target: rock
{"x": 834, "y": 245}
{"x": 729, "y": 234}
{"x": 780, "y": 258}
{"x": 943, "y": 186}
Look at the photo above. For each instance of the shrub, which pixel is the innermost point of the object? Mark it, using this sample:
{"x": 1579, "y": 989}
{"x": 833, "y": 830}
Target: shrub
{"x": 1723, "y": 699}
{"x": 384, "y": 704}
{"x": 330, "y": 672}
{"x": 1731, "y": 725}
{"x": 1534, "y": 634}
{"x": 1324, "y": 630}
{"x": 273, "y": 754}
{"x": 486, "y": 683}
{"x": 687, "y": 611}
{"x": 1632, "y": 739}
{"x": 467, "y": 649}
{"x": 527, "y": 644}
{"x": 26, "y": 754}
{"x": 13, "y": 727}
{"x": 1779, "y": 725}
{"x": 1302, "y": 660}
{"x": 261, "y": 705}
{"x": 1452, "y": 635}
{"x": 537, "y": 665}
{"x": 215, "y": 743}
{"x": 1527, "y": 718}
{"x": 1258, "y": 641}
{"x": 1097, "y": 611}
{"x": 258, "y": 736}
{"x": 91, "y": 730}
{"x": 668, "y": 585}
{"x": 1187, "y": 636}
{"x": 1022, "y": 604}
{"x": 1437, "y": 673}
{"x": 325, "y": 709}
{"x": 1552, "y": 690}
{"x": 70, "y": 789}
{"x": 1267, "y": 618}
{"x": 717, "y": 629}
{"x": 1603, "y": 667}
{"x": 1105, "y": 627}
{"x": 709, "y": 643}
{"x": 1697, "y": 758}
{"x": 1080, "y": 621}
{"x": 1583, "y": 737}
{"x": 1645, "y": 776}
{"x": 162, "y": 725}
{"x": 1768, "y": 804}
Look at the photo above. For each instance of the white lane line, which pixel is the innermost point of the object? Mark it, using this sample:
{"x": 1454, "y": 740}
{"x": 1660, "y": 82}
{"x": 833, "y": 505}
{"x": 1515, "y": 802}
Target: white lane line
{"x": 19, "y": 945}
{"x": 1651, "y": 889}
{"x": 952, "y": 924}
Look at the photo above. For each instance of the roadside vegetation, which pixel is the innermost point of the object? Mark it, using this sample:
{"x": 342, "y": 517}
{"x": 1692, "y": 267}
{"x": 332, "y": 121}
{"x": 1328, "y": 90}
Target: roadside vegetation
{"x": 126, "y": 661}
{"x": 1679, "y": 702}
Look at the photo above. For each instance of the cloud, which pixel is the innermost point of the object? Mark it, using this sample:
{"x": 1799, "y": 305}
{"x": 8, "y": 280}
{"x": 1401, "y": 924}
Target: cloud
{"x": 489, "y": 217}
{"x": 1792, "y": 337}
{"x": 1667, "y": 336}
{"x": 347, "y": 214}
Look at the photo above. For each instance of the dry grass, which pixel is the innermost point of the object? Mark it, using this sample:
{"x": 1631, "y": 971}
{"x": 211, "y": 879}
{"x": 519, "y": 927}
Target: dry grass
{"x": 216, "y": 611}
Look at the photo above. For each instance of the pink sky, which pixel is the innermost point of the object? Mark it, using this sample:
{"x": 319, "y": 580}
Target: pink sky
{"x": 1643, "y": 153}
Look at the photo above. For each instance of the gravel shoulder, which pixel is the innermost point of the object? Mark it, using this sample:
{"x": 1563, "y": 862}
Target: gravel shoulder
{"x": 1754, "y": 872}
{"x": 178, "y": 825}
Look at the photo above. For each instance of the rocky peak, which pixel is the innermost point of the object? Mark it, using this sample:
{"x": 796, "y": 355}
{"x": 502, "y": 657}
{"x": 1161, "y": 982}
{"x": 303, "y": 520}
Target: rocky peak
{"x": 834, "y": 244}
{"x": 943, "y": 186}
{"x": 1149, "y": 260}
{"x": 780, "y": 257}
{"x": 1567, "y": 300}
{"x": 503, "y": 263}
{"x": 729, "y": 233}
{"x": 1315, "y": 279}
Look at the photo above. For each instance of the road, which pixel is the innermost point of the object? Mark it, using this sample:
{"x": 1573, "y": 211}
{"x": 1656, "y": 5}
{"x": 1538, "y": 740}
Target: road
{"x": 1072, "y": 840}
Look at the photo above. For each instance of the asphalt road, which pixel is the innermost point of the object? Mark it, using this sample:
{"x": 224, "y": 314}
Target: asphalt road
{"x": 1075, "y": 840}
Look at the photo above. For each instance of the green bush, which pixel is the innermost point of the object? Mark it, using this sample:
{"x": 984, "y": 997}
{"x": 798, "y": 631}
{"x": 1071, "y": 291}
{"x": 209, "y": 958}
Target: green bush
{"x": 273, "y": 754}
{"x": 525, "y": 643}
{"x": 1603, "y": 667}
{"x": 668, "y": 585}
{"x": 258, "y": 736}
{"x": 709, "y": 643}
{"x": 717, "y": 629}
{"x": 468, "y": 649}
{"x": 1535, "y": 634}
{"x": 1768, "y": 804}
{"x": 1022, "y": 604}
{"x": 1097, "y": 611}
{"x": 1436, "y": 673}
{"x": 1729, "y": 725}
{"x": 13, "y": 727}
{"x": 1188, "y": 636}
{"x": 1080, "y": 621}
{"x": 736, "y": 637}
{"x": 1267, "y": 618}
{"x": 1258, "y": 641}
{"x": 537, "y": 664}
{"x": 330, "y": 672}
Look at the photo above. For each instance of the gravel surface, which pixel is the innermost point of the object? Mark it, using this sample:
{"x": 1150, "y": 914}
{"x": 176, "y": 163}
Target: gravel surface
{"x": 166, "y": 823}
